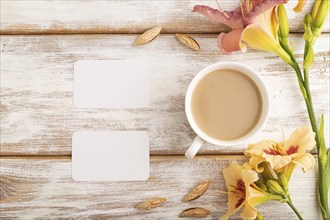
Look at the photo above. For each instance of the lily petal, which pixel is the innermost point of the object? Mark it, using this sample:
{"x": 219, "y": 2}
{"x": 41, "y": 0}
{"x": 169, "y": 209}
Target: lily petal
{"x": 247, "y": 166}
{"x": 231, "y": 207}
{"x": 229, "y": 42}
{"x": 232, "y": 19}
{"x": 253, "y": 196}
{"x": 255, "y": 162}
{"x": 307, "y": 161}
{"x": 278, "y": 161}
{"x": 249, "y": 176}
{"x": 299, "y": 6}
{"x": 232, "y": 174}
{"x": 268, "y": 151}
{"x": 303, "y": 137}
{"x": 249, "y": 212}
{"x": 260, "y": 34}
{"x": 261, "y": 7}
{"x": 260, "y": 147}
{"x": 256, "y": 197}
{"x": 274, "y": 23}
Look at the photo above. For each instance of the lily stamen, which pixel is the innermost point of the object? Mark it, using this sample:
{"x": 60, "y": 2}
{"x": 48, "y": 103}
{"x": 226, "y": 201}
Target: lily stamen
{"x": 220, "y": 9}
{"x": 241, "y": 5}
{"x": 222, "y": 192}
{"x": 283, "y": 136}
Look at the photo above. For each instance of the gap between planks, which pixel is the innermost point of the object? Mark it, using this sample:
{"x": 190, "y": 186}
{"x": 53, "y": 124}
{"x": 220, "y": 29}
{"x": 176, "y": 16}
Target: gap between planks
{"x": 88, "y": 32}
{"x": 152, "y": 156}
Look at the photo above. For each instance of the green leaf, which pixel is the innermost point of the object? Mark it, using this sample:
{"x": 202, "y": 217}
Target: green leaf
{"x": 259, "y": 216}
{"x": 308, "y": 35}
{"x": 324, "y": 173}
{"x": 323, "y": 148}
{"x": 291, "y": 46}
{"x": 309, "y": 59}
{"x": 303, "y": 91}
{"x": 327, "y": 168}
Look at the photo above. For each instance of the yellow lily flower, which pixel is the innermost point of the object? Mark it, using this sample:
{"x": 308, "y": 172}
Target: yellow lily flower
{"x": 280, "y": 155}
{"x": 242, "y": 192}
{"x": 262, "y": 34}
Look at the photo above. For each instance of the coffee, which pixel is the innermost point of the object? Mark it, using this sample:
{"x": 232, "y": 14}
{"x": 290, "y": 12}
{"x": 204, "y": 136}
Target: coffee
{"x": 226, "y": 104}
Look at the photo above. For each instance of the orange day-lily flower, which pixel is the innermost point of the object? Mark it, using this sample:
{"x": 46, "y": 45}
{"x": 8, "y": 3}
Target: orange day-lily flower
{"x": 254, "y": 23}
{"x": 279, "y": 155}
{"x": 242, "y": 192}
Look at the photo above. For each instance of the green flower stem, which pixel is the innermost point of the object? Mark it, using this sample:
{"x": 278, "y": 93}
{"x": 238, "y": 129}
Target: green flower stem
{"x": 309, "y": 102}
{"x": 276, "y": 197}
{"x": 281, "y": 193}
{"x": 307, "y": 97}
{"x": 310, "y": 109}
{"x": 313, "y": 25}
{"x": 319, "y": 14}
{"x": 323, "y": 186}
{"x": 301, "y": 82}
{"x": 289, "y": 202}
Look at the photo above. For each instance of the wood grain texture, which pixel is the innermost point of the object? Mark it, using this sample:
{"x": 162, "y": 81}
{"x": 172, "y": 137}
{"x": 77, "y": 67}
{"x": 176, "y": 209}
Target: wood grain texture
{"x": 38, "y": 117}
{"x": 42, "y": 188}
{"x": 118, "y": 16}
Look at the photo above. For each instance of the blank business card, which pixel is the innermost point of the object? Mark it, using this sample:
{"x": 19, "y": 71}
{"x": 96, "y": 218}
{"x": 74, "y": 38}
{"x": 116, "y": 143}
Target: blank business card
{"x": 111, "y": 84}
{"x": 110, "y": 156}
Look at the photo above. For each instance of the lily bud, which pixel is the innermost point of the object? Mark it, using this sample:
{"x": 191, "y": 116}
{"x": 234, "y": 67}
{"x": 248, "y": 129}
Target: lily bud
{"x": 308, "y": 36}
{"x": 283, "y": 181}
{"x": 308, "y": 19}
{"x": 320, "y": 16}
{"x": 259, "y": 216}
{"x": 283, "y": 31}
{"x": 310, "y": 39}
{"x": 261, "y": 185}
{"x": 315, "y": 9}
{"x": 275, "y": 187}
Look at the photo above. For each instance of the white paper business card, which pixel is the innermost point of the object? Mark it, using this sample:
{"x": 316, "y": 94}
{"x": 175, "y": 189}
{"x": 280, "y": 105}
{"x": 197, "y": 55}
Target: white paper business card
{"x": 111, "y": 84}
{"x": 110, "y": 156}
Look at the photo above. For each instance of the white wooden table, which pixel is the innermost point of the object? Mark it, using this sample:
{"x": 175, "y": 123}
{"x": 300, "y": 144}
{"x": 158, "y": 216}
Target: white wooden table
{"x": 40, "y": 41}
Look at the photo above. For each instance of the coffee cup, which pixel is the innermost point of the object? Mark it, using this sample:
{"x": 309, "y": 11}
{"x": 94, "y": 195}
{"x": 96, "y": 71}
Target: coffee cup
{"x": 226, "y": 104}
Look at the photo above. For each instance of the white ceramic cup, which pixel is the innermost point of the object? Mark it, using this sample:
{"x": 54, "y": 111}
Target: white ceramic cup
{"x": 202, "y": 137}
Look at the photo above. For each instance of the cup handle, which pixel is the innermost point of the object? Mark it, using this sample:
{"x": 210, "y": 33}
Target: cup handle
{"x": 194, "y": 147}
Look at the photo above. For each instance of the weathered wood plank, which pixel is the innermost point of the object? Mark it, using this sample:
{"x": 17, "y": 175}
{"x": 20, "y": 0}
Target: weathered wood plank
{"x": 117, "y": 16}
{"x": 37, "y": 115}
{"x": 42, "y": 188}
